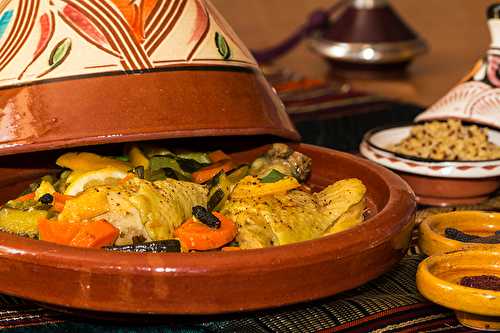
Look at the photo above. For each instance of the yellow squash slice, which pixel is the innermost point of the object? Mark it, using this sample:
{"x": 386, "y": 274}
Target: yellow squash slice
{"x": 90, "y": 161}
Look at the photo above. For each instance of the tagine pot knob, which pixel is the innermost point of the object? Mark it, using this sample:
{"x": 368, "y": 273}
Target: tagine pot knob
{"x": 368, "y": 34}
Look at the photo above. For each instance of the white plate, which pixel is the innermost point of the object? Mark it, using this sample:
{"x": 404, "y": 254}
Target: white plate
{"x": 375, "y": 143}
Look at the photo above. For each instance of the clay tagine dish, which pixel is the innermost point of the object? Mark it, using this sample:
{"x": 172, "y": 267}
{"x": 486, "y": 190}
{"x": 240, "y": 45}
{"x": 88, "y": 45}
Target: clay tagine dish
{"x": 96, "y": 74}
{"x": 139, "y": 283}
{"x": 63, "y": 66}
{"x": 476, "y": 99}
{"x": 435, "y": 154}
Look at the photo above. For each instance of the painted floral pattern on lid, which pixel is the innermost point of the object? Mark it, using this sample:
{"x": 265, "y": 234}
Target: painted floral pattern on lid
{"x": 53, "y": 39}
{"x": 477, "y": 98}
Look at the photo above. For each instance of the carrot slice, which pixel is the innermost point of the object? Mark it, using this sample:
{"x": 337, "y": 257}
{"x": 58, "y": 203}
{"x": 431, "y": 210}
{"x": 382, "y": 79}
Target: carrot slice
{"x": 26, "y": 197}
{"x": 218, "y": 156}
{"x": 61, "y": 197}
{"x": 58, "y": 206}
{"x": 205, "y": 174}
{"x": 95, "y": 234}
{"x": 126, "y": 179}
{"x": 59, "y": 201}
{"x": 59, "y": 232}
{"x": 195, "y": 235}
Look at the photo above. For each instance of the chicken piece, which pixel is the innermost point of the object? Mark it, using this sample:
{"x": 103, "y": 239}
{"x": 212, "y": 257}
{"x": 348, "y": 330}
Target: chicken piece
{"x": 296, "y": 216}
{"x": 284, "y": 159}
{"x": 279, "y": 151}
{"x": 151, "y": 211}
{"x": 126, "y": 217}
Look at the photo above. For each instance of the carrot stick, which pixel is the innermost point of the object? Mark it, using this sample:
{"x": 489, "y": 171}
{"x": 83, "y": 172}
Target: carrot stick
{"x": 205, "y": 174}
{"x": 195, "y": 235}
{"x": 58, "y": 206}
{"x": 218, "y": 156}
{"x": 59, "y": 201}
{"x": 57, "y": 231}
{"x": 61, "y": 197}
{"x": 95, "y": 234}
{"x": 126, "y": 179}
{"x": 26, "y": 197}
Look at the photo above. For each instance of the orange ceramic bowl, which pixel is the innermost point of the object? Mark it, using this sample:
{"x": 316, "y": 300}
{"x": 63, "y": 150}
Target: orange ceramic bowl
{"x": 217, "y": 282}
{"x": 433, "y": 241}
{"x": 438, "y": 280}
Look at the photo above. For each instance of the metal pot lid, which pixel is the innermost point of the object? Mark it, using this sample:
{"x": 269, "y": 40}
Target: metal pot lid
{"x": 368, "y": 31}
{"x": 368, "y": 53}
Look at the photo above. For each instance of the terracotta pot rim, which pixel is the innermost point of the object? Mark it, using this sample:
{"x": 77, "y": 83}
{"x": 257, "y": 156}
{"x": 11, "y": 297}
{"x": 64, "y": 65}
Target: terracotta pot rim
{"x": 144, "y": 108}
{"x": 401, "y": 203}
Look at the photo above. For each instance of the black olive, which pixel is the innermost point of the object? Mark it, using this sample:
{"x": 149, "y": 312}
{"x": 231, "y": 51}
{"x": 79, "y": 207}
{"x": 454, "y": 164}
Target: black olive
{"x": 138, "y": 239}
{"x": 169, "y": 173}
{"x": 189, "y": 165}
{"x": 458, "y": 235}
{"x": 205, "y": 217}
{"x": 215, "y": 199}
{"x": 139, "y": 172}
{"x": 46, "y": 199}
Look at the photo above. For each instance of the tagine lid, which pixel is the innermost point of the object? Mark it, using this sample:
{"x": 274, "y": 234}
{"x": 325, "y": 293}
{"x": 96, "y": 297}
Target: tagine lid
{"x": 368, "y": 32}
{"x": 75, "y": 73}
{"x": 476, "y": 99}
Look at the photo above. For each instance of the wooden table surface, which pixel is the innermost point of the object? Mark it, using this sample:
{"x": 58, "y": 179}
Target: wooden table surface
{"x": 455, "y": 29}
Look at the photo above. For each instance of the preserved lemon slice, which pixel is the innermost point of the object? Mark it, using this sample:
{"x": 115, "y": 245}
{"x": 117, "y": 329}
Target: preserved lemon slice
{"x": 74, "y": 175}
{"x": 90, "y": 161}
{"x": 137, "y": 157}
{"x": 251, "y": 186}
{"x": 85, "y": 206}
{"x": 106, "y": 176}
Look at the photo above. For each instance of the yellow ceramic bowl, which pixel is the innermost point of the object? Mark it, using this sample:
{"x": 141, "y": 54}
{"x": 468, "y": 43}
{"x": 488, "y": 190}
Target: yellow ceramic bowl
{"x": 432, "y": 240}
{"x": 438, "y": 280}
